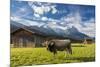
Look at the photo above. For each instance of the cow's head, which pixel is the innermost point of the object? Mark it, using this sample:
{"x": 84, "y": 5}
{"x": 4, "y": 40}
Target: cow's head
{"x": 50, "y": 46}
{"x": 45, "y": 44}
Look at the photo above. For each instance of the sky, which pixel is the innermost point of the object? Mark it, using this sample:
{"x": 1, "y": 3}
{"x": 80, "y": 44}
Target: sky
{"x": 55, "y": 15}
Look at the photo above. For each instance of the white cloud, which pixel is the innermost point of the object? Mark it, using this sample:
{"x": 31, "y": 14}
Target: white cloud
{"x": 41, "y": 8}
{"x": 26, "y": 22}
{"x": 44, "y": 18}
{"x": 14, "y": 18}
{"x": 54, "y": 10}
{"x": 38, "y": 10}
{"x": 23, "y": 9}
{"x": 21, "y": 12}
{"x": 36, "y": 15}
{"x": 54, "y": 20}
{"x": 72, "y": 18}
{"x": 45, "y": 8}
{"x": 92, "y": 20}
{"x": 86, "y": 27}
{"x": 20, "y": 20}
{"x": 62, "y": 23}
{"x": 54, "y": 25}
{"x": 89, "y": 28}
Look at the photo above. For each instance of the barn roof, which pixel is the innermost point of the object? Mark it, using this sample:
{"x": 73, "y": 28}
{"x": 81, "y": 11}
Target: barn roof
{"x": 29, "y": 30}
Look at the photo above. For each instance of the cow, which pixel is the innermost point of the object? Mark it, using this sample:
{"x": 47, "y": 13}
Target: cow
{"x": 59, "y": 45}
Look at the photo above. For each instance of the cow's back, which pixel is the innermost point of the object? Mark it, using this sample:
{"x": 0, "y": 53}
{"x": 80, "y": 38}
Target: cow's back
{"x": 62, "y": 44}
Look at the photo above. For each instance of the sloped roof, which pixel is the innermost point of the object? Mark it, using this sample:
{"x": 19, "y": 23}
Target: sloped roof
{"x": 16, "y": 27}
{"x": 31, "y": 31}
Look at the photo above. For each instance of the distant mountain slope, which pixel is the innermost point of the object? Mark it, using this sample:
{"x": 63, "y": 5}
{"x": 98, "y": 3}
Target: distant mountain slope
{"x": 14, "y": 26}
{"x": 70, "y": 32}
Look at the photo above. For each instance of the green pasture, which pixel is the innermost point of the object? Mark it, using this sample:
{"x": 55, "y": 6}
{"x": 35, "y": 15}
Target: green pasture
{"x": 37, "y": 56}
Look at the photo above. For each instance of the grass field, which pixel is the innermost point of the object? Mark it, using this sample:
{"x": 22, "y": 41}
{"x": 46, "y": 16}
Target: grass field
{"x": 36, "y": 56}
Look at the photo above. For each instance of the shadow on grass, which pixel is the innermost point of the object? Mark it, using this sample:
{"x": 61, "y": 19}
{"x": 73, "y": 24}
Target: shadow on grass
{"x": 78, "y": 46}
{"x": 82, "y": 59}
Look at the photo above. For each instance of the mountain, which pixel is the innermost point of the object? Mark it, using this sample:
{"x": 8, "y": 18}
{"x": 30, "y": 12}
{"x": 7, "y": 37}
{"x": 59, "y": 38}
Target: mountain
{"x": 46, "y": 31}
{"x": 70, "y": 32}
{"x": 75, "y": 34}
{"x": 15, "y": 25}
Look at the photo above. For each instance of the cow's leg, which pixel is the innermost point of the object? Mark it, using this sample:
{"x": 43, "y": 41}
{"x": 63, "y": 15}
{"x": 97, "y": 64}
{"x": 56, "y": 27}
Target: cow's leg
{"x": 70, "y": 50}
{"x": 66, "y": 52}
{"x": 54, "y": 53}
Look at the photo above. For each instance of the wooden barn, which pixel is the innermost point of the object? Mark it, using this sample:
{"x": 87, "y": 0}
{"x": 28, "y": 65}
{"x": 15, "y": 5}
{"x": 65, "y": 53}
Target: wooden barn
{"x": 26, "y": 38}
{"x": 88, "y": 41}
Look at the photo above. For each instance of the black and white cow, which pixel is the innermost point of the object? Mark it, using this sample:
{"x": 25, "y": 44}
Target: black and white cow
{"x": 59, "y": 45}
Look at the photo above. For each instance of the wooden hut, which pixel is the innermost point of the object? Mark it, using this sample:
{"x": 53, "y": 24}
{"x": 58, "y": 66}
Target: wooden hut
{"x": 26, "y": 38}
{"x": 88, "y": 41}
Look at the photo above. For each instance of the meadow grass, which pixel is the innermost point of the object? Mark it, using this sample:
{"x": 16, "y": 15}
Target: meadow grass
{"x": 37, "y": 56}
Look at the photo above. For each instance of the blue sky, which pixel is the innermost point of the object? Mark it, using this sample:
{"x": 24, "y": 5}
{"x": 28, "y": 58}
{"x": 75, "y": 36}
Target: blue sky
{"x": 80, "y": 16}
{"x": 62, "y": 10}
